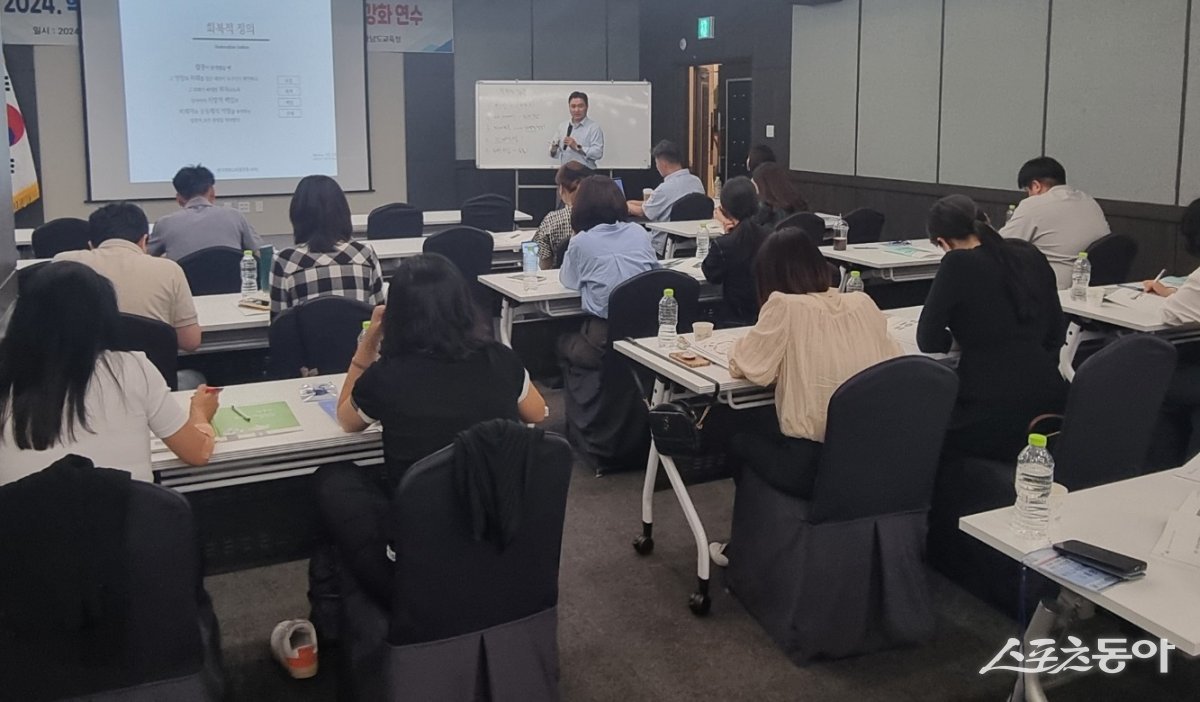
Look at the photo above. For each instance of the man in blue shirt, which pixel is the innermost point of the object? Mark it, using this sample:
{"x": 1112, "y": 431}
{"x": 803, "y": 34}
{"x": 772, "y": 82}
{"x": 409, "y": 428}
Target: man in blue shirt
{"x": 579, "y": 138}
{"x": 677, "y": 182}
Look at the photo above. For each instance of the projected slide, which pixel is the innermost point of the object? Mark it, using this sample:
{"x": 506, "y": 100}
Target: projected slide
{"x": 252, "y": 83}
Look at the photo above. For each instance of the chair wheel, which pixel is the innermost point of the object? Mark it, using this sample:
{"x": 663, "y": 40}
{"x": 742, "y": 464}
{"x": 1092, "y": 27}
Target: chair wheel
{"x": 699, "y": 603}
{"x": 644, "y": 545}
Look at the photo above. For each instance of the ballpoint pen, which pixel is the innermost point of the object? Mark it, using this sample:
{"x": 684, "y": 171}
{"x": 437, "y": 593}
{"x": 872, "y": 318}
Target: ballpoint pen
{"x": 1156, "y": 279}
{"x": 238, "y": 412}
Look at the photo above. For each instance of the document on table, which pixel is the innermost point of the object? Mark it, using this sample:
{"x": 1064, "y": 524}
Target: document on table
{"x": 1135, "y": 300}
{"x": 904, "y": 330}
{"x": 1050, "y": 562}
{"x": 717, "y": 347}
{"x": 249, "y": 421}
{"x": 1180, "y": 540}
{"x": 909, "y": 250}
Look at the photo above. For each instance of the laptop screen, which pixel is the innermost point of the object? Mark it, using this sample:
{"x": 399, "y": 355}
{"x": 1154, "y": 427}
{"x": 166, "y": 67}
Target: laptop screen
{"x": 620, "y": 184}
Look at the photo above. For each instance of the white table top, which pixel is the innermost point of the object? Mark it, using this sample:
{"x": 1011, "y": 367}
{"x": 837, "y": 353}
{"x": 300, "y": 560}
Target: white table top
{"x": 688, "y": 228}
{"x": 882, "y": 255}
{"x": 220, "y": 313}
{"x": 1127, "y": 517}
{"x": 318, "y": 429}
{"x": 1143, "y": 314}
{"x": 434, "y": 218}
{"x": 548, "y": 287}
{"x": 703, "y": 381}
{"x": 387, "y": 249}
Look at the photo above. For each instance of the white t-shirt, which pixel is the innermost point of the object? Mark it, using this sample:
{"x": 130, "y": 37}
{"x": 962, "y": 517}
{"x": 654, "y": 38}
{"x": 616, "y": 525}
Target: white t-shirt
{"x": 126, "y": 400}
{"x": 1061, "y": 222}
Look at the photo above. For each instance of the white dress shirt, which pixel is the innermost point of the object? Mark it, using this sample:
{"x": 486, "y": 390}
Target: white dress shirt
{"x": 1061, "y": 222}
{"x": 1184, "y": 306}
{"x": 590, "y": 137}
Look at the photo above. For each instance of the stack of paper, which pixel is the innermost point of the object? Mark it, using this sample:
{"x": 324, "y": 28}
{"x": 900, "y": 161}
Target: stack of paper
{"x": 1180, "y": 540}
{"x": 1135, "y": 300}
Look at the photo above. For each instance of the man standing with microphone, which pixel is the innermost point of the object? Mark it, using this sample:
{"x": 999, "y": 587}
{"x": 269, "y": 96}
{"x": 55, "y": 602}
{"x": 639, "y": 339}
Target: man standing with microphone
{"x": 579, "y": 138}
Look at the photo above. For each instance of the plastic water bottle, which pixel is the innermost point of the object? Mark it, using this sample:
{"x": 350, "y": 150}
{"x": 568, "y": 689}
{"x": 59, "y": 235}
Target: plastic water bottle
{"x": 1081, "y": 276}
{"x": 1035, "y": 476}
{"x": 529, "y": 264}
{"x": 702, "y": 241}
{"x": 363, "y": 334}
{"x": 855, "y": 283}
{"x": 249, "y": 274}
{"x": 1012, "y": 209}
{"x": 717, "y": 186}
{"x": 668, "y": 320}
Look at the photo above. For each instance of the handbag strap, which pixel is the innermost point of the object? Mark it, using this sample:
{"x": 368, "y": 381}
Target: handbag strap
{"x": 654, "y": 352}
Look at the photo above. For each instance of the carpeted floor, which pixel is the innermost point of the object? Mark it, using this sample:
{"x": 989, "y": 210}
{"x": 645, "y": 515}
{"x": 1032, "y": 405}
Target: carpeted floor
{"x": 625, "y": 632}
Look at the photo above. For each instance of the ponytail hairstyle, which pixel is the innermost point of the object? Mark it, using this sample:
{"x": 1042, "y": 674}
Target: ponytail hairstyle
{"x": 957, "y": 218}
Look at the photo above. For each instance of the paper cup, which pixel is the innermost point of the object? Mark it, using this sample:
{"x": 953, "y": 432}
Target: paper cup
{"x": 702, "y": 330}
{"x": 646, "y": 193}
{"x": 1095, "y": 296}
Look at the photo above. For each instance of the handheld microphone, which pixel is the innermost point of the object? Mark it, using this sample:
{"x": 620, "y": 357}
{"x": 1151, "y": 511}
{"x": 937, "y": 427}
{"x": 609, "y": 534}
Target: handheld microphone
{"x": 569, "y": 128}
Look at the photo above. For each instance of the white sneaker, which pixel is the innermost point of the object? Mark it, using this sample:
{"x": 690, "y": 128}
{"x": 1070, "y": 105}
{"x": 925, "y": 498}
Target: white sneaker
{"x": 716, "y": 551}
{"x": 294, "y": 643}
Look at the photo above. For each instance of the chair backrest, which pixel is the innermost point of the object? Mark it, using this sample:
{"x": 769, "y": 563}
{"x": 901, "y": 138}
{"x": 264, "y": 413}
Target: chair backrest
{"x": 692, "y": 206}
{"x": 58, "y": 235}
{"x": 807, "y": 222}
{"x": 883, "y": 440}
{"x": 1111, "y": 257}
{"x": 468, "y": 248}
{"x": 866, "y": 225}
{"x": 395, "y": 221}
{"x": 1109, "y": 421}
{"x": 320, "y": 335}
{"x": 633, "y": 305}
{"x": 161, "y": 637}
{"x": 213, "y": 271}
{"x": 154, "y": 338}
{"x": 448, "y": 584}
{"x": 489, "y": 212}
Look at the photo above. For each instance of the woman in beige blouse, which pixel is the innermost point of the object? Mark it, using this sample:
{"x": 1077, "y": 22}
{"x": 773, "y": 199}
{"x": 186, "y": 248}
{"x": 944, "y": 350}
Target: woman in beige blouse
{"x": 809, "y": 339}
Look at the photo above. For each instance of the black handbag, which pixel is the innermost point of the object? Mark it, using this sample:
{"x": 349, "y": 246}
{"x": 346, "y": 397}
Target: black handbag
{"x": 676, "y": 426}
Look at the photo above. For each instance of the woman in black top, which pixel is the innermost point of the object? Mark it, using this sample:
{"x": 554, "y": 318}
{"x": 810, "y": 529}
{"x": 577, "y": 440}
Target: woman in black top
{"x": 730, "y": 257}
{"x": 998, "y": 300}
{"x": 425, "y": 370}
{"x": 778, "y": 197}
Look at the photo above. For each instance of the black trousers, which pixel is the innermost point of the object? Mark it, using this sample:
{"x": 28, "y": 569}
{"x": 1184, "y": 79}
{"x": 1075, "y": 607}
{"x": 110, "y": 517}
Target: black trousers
{"x": 352, "y": 503}
{"x": 785, "y": 463}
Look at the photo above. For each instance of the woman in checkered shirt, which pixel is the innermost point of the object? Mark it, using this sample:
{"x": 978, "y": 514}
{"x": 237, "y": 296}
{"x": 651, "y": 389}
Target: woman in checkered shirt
{"x": 555, "y": 232}
{"x": 325, "y": 259}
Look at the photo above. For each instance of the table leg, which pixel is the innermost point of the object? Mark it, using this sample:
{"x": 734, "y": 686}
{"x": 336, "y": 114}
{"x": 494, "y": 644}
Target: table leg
{"x": 1066, "y": 355}
{"x": 699, "y": 601}
{"x": 669, "y": 249}
{"x": 1060, "y": 614}
{"x": 506, "y": 322}
{"x": 644, "y": 544}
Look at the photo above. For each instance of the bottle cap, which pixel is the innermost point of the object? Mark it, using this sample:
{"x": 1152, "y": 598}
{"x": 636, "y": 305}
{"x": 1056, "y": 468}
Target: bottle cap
{"x": 669, "y": 292}
{"x": 366, "y": 324}
{"x": 1083, "y": 254}
{"x": 855, "y": 274}
{"x": 1038, "y": 440}
{"x": 247, "y": 252}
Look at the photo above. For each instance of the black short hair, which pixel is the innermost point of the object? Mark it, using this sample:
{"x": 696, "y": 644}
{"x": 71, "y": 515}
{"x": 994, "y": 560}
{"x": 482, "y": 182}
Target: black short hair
{"x": 578, "y": 94}
{"x": 118, "y": 220}
{"x": 667, "y": 151}
{"x": 193, "y": 181}
{"x": 739, "y": 198}
{"x": 759, "y": 154}
{"x": 597, "y": 201}
{"x": 320, "y": 214}
{"x": 430, "y": 311}
{"x": 1043, "y": 169}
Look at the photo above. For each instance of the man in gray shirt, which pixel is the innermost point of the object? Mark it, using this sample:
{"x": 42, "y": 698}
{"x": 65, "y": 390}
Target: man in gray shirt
{"x": 200, "y": 224}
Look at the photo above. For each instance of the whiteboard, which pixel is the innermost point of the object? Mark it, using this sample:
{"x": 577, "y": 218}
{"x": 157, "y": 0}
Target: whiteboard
{"x": 515, "y": 121}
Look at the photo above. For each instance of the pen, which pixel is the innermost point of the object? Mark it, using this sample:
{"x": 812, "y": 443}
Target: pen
{"x": 1156, "y": 279}
{"x": 238, "y": 412}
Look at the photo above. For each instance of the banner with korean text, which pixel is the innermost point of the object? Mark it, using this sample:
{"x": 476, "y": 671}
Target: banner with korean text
{"x": 411, "y": 27}
{"x": 40, "y": 22}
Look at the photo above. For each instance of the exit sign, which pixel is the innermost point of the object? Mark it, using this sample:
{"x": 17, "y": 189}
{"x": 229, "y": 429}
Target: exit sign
{"x": 705, "y": 28}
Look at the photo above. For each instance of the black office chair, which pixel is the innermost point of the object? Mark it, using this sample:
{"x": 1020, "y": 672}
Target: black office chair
{"x": 691, "y": 207}
{"x": 866, "y": 226}
{"x": 156, "y": 339}
{"x": 1111, "y": 257}
{"x": 809, "y": 223}
{"x": 395, "y": 221}
{"x": 59, "y": 235}
{"x": 468, "y": 621}
{"x": 470, "y": 250}
{"x": 213, "y": 271}
{"x": 161, "y": 642}
{"x": 606, "y": 416}
{"x": 842, "y": 573}
{"x": 316, "y": 337}
{"x": 1105, "y": 437}
{"x": 489, "y": 212}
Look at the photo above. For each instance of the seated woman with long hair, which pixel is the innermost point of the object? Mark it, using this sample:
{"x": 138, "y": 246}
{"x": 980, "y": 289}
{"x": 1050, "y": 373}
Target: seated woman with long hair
{"x": 779, "y": 198}
{"x": 998, "y": 299}
{"x": 325, "y": 259}
{"x": 426, "y": 370}
{"x": 730, "y": 258}
{"x": 64, "y": 389}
